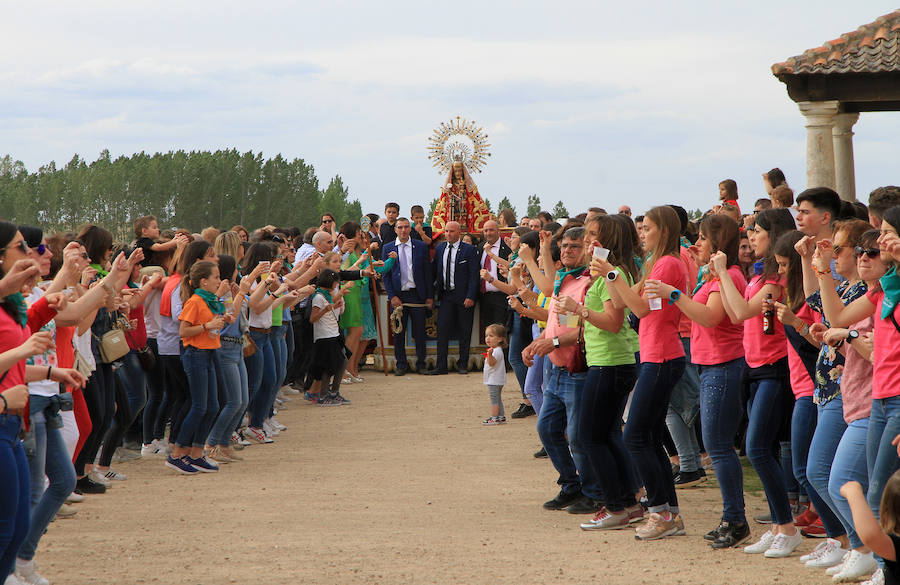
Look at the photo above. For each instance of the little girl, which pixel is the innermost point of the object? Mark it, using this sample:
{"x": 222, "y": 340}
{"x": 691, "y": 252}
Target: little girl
{"x": 495, "y": 372}
{"x": 330, "y": 361}
{"x": 882, "y": 539}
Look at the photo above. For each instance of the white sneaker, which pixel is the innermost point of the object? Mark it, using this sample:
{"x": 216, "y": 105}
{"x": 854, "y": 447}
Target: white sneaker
{"x": 238, "y": 439}
{"x": 837, "y": 568}
{"x": 258, "y": 436}
{"x": 99, "y": 477}
{"x": 814, "y": 554}
{"x": 761, "y": 545}
{"x": 277, "y": 424}
{"x": 269, "y": 429}
{"x": 114, "y": 475}
{"x": 26, "y": 572}
{"x": 827, "y": 554}
{"x": 289, "y": 390}
{"x": 877, "y": 578}
{"x": 12, "y": 580}
{"x": 74, "y": 498}
{"x": 858, "y": 565}
{"x": 784, "y": 545}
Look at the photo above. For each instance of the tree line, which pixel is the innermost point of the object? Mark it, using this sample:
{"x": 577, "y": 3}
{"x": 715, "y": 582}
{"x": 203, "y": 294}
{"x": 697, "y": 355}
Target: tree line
{"x": 182, "y": 189}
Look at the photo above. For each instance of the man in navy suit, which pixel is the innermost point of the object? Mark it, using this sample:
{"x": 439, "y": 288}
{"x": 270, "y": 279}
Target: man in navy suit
{"x": 409, "y": 281}
{"x": 456, "y": 271}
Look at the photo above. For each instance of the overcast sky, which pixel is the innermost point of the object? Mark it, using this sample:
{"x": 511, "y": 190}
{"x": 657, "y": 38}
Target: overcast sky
{"x": 593, "y": 103}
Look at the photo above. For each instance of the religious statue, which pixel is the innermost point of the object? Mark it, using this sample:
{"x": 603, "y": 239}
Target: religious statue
{"x": 457, "y": 148}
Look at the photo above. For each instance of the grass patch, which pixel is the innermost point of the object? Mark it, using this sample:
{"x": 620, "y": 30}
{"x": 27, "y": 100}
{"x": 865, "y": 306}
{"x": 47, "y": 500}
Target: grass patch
{"x": 752, "y": 484}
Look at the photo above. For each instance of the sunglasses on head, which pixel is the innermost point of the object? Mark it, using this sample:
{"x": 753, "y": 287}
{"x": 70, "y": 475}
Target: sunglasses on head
{"x": 870, "y": 252}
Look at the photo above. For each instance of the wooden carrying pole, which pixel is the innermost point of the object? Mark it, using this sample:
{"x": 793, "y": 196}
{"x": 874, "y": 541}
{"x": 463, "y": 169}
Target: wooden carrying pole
{"x": 377, "y": 311}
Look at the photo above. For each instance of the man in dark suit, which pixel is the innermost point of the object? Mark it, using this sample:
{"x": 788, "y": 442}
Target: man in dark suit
{"x": 494, "y": 303}
{"x": 456, "y": 270}
{"x": 409, "y": 281}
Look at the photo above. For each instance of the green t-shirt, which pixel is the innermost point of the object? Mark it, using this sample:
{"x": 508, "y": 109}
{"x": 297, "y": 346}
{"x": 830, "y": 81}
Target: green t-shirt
{"x": 603, "y": 348}
{"x": 278, "y": 316}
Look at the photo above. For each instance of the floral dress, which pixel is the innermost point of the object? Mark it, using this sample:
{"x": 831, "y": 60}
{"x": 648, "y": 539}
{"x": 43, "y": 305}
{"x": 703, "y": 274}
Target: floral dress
{"x": 830, "y": 363}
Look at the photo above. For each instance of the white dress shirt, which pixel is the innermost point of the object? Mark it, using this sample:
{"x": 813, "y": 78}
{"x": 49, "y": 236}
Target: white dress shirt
{"x": 407, "y": 282}
{"x": 495, "y": 250}
{"x": 451, "y": 251}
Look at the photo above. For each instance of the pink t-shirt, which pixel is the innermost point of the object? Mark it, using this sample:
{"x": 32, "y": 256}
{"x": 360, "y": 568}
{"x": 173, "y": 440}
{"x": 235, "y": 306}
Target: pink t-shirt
{"x": 801, "y": 383}
{"x": 658, "y": 334}
{"x": 685, "y": 325}
{"x": 885, "y": 357}
{"x": 761, "y": 349}
{"x": 577, "y": 289}
{"x": 856, "y": 379}
{"x": 724, "y": 342}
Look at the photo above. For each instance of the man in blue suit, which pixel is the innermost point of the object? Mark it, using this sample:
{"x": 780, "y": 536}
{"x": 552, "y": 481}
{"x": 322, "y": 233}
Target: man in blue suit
{"x": 456, "y": 271}
{"x": 409, "y": 281}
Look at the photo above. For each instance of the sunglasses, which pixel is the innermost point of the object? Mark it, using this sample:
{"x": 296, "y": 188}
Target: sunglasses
{"x": 41, "y": 248}
{"x": 870, "y": 252}
{"x": 327, "y": 221}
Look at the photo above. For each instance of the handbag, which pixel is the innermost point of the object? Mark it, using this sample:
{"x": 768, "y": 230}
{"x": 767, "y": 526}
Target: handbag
{"x": 113, "y": 346}
{"x": 147, "y": 358}
{"x": 83, "y": 365}
{"x": 249, "y": 345}
{"x": 577, "y": 363}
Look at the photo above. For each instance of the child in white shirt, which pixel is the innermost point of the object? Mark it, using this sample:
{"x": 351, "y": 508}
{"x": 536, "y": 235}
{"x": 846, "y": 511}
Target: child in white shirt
{"x": 495, "y": 372}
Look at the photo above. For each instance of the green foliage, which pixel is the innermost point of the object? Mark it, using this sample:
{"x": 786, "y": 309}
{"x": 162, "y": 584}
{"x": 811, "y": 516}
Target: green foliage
{"x": 490, "y": 207}
{"x": 183, "y": 189}
{"x": 505, "y": 203}
{"x": 431, "y": 207}
{"x": 695, "y": 214}
{"x": 559, "y": 211}
{"x": 534, "y": 205}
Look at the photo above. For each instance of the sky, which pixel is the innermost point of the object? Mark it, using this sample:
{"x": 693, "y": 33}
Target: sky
{"x": 591, "y": 103}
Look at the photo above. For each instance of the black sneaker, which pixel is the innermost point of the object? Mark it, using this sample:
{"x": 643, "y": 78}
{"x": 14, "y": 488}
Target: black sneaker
{"x": 86, "y": 485}
{"x": 689, "y": 478}
{"x": 714, "y": 533}
{"x": 524, "y": 411}
{"x": 562, "y": 500}
{"x": 731, "y": 534}
{"x": 542, "y": 454}
{"x": 585, "y": 505}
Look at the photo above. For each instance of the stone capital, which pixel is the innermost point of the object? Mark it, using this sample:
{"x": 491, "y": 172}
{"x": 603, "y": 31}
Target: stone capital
{"x": 843, "y": 124}
{"x": 819, "y": 113}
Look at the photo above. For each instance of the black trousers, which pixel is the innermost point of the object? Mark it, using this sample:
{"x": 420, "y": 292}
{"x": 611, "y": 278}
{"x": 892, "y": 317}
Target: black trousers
{"x": 415, "y": 315}
{"x": 494, "y": 308}
{"x": 452, "y": 317}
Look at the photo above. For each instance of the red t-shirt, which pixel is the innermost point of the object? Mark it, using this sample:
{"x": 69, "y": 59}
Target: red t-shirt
{"x": 685, "y": 325}
{"x": 801, "y": 383}
{"x": 885, "y": 354}
{"x": 137, "y": 337}
{"x": 724, "y": 342}
{"x": 761, "y": 349}
{"x": 658, "y": 334}
{"x": 577, "y": 289}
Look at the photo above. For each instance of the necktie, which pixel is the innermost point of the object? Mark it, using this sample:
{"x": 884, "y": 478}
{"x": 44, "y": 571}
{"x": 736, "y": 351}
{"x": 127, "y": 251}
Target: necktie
{"x": 404, "y": 265}
{"x": 487, "y": 266}
{"x": 447, "y": 281}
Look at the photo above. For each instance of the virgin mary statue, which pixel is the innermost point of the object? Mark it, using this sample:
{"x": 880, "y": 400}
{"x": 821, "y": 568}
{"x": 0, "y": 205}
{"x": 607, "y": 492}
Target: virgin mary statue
{"x": 460, "y": 201}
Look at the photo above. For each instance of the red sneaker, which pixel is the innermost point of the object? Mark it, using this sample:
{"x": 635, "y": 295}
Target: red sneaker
{"x": 814, "y": 530}
{"x": 806, "y": 518}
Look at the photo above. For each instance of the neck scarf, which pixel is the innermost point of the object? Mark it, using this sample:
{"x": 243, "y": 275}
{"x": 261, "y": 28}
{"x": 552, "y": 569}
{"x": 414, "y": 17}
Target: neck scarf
{"x": 890, "y": 282}
{"x": 324, "y": 293}
{"x": 99, "y": 270}
{"x": 214, "y": 304}
{"x": 702, "y": 276}
{"x": 562, "y": 274}
{"x": 684, "y": 242}
{"x": 18, "y": 301}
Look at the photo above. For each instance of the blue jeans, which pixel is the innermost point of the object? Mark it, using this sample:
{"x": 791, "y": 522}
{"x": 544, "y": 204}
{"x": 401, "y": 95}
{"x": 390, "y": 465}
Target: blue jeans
{"x": 200, "y": 369}
{"x": 599, "y": 437}
{"x": 131, "y": 396}
{"x": 766, "y": 410}
{"x": 849, "y": 465}
{"x": 50, "y": 457}
{"x": 15, "y": 477}
{"x": 721, "y": 413}
{"x": 534, "y": 383}
{"x": 881, "y": 456}
{"x": 684, "y": 407}
{"x": 234, "y": 382}
{"x": 646, "y": 427}
{"x": 829, "y": 430}
{"x": 261, "y": 376}
{"x": 515, "y": 353}
{"x": 279, "y": 350}
{"x": 559, "y": 419}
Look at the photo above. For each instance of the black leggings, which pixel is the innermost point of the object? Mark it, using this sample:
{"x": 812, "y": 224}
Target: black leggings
{"x": 100, "y": 396}
{"x": 153, "y": 410}
{"x": 177, "y": 396}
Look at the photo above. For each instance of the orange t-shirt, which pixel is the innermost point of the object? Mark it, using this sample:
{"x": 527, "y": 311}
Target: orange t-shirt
{"x": 195, "y": 312}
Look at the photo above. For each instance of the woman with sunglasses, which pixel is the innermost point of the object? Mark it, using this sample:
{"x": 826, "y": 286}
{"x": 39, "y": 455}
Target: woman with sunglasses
{"x": 879, "y": 303}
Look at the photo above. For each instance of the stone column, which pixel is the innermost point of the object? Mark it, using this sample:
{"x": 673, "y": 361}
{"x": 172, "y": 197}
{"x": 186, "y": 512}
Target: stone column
{"x": 844, "y": 172}
{"x": 819, "y": 142}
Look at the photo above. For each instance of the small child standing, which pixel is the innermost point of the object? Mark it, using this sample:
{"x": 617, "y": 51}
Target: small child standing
{"x": 879, "y": 535}
{"x": 495, "y": 372}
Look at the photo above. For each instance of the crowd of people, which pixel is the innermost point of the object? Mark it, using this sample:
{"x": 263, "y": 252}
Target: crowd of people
{"x": 650, "y": 348}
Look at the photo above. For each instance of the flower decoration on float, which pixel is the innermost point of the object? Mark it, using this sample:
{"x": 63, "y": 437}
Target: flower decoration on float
{"x": 459, "y": 140}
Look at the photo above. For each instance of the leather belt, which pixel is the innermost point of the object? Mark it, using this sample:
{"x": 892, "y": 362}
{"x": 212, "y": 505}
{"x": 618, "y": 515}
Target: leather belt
{"x": 260, "y": 330}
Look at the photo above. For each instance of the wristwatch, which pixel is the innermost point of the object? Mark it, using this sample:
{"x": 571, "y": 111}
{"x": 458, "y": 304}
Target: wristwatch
{"x": 674, "y": 296}
{"x": 584, "y": 312}
{"x": 851, "y": 335}
{"x": 556, "y": 342}
{"x": 611, "y": 275}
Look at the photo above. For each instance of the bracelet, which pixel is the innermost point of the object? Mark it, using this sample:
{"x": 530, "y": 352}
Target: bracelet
{"x": 5, "y": 403}
{"x": 50, "y": 369}
{"x": 821, "y": 273}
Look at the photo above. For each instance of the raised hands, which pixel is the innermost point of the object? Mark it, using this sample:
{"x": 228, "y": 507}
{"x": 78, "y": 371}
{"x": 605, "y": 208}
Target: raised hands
{"x": 22, "y": 271}
{"x": 805, "y": 246}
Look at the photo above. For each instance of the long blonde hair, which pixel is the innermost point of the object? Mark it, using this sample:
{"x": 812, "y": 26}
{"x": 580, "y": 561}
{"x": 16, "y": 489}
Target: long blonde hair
{"x": 228, "y": 243}
{"x": 669, "y": 226}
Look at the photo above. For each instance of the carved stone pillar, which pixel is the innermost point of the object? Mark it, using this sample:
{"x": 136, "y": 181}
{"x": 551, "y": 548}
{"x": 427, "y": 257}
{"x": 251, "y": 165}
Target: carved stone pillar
{"x": 844, "y": 172}
{"x": 819, "y": 142}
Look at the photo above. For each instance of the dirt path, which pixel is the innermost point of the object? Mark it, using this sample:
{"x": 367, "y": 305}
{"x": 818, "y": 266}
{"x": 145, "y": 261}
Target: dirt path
{"x": 402, "y": 486}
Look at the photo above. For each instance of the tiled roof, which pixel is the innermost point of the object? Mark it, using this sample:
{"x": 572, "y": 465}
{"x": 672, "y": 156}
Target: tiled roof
{"x": 872, "y": 48}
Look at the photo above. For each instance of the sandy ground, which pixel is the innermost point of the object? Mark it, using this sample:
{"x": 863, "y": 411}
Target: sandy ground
{"x": 402, "y": 486}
